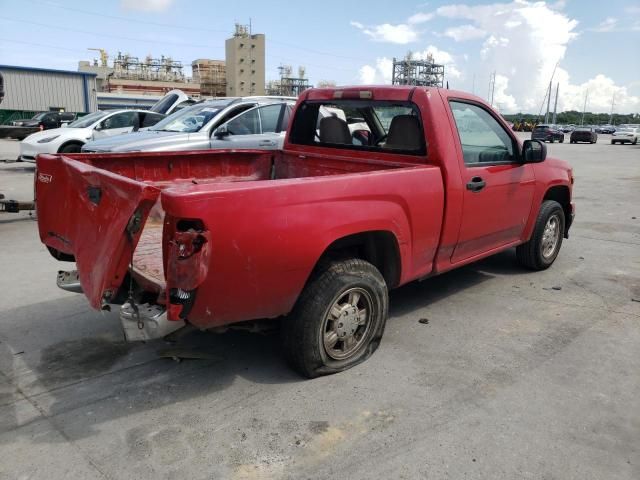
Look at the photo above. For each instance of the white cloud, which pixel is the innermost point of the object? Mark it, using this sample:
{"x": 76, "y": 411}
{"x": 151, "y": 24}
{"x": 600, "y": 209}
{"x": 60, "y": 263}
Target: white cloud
{"x": 146, "y": 5}
{"x": 524, "y": 42}
{"x": 607, "y": 25}
{"x": 420, "y": 18}
{"x": 380, "y": 74}
{"x": 464, "y": 32}
{"x": 401, "y": 33}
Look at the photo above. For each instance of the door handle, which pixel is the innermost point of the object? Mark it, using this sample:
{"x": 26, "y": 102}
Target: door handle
{"x": 476, "y": 184}
{"x": 266, "y": 143}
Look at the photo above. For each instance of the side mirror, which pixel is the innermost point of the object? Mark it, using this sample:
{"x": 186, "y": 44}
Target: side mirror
{"x": 533, "y": 151}
{"x": 221, "y": 132}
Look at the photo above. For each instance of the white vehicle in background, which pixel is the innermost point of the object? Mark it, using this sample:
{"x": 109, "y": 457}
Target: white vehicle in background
{"x": 96, "y": 125}
{"x": 173, "y": 101}
{"x": 625, "y": 134}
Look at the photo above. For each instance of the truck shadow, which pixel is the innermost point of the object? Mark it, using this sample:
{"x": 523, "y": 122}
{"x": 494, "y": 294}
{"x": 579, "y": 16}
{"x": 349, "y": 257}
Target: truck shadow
{"x": 418, "y": 295}
{"x": 78, "y": 372}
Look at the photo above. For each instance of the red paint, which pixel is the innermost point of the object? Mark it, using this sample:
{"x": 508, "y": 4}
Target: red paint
{"x": 257, "y": 222}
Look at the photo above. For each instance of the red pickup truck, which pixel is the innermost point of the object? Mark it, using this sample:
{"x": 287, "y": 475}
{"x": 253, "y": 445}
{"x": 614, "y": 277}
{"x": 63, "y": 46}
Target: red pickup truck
{"x": 375, "y": 187}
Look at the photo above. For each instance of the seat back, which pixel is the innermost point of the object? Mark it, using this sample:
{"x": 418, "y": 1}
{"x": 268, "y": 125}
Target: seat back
{"x": 334, "y": 130}
{"x": 404, "y": 133}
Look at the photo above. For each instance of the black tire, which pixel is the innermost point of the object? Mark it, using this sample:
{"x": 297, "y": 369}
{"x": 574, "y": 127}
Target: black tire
{"x": 71, "y": 148}
{"x": 304, "y": 331}
{"x": 635, "y": 141}
{"x": 530, "y": 254}
{"x": 612, "y": 142}
{"x": 562, "y": 140}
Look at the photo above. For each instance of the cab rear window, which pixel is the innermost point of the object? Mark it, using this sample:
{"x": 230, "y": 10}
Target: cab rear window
{"x": 361, "y": 125}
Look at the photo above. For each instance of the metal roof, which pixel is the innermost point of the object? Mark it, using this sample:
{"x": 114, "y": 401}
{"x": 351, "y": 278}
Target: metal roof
{"x": 46, "y": 70}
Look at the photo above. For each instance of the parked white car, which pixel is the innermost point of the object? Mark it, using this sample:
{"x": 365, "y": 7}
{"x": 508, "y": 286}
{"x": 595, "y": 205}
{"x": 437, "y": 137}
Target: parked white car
{"x": 625, "y": 134}
{"x": 94, "y": 126}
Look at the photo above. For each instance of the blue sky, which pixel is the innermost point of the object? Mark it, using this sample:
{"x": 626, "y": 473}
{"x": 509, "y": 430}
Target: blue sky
{"x": 354, "y": 42}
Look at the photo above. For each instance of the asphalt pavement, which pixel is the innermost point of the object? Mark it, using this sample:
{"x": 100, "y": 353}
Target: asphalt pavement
{"x": 489, "y": 372}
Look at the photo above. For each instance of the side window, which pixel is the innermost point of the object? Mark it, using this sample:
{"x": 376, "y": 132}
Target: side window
{"x": 247, "y": 123}
{"x": 269, "y": 116}
{"x": 286, "y": 117}
{"x": 483, "y": 139}
{"x": 150, "y": 119}
{"x": 121, "y": 120}
{"x": 232, "y": 113}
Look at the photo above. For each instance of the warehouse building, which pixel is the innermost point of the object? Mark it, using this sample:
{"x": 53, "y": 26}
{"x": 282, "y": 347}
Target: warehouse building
{"x": 28, "y": 89}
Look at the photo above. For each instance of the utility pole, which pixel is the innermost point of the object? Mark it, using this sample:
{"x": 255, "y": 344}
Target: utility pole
{"x": 613, "y": 99}
{"x": 473, "y": 85}
{"x": 584, "y": 108}
{"x": 546, "y": 115}
{"x": 555, "y": 104}
{"x": 493, "y": 86}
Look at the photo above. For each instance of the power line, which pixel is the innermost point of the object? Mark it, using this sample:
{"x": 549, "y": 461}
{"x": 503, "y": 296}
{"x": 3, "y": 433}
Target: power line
{"x": 118, "y": 37}
{"x": 280, "y": 58}
{"x": 189, "y": 27}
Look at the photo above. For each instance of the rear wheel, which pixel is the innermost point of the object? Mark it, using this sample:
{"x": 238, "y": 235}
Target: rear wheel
{"x": 562, "y": 140}
{"x": 635, "y": 141}
{"x": 541, "y": 250}
{"x": 338, "y": 320}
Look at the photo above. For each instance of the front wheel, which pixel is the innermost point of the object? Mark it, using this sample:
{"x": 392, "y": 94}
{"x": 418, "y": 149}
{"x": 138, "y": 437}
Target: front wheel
{"x": 338, "y": 320}
{"x": 562, "y": 140}
{"x": 635, "y": 141}
{"x": 71, "y": 148}
{"x": 543, "y": 247}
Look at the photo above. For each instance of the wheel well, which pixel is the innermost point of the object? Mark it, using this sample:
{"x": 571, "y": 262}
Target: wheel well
{"x": 70, "y": 142}
{"x": 560, "y": 194}
{"x": 380, "y": 248}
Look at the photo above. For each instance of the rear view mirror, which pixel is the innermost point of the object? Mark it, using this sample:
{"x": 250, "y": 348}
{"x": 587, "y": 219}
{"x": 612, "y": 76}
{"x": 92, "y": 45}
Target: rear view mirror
{"x": 533, "y": 151}
{"x": 221, "y": 132}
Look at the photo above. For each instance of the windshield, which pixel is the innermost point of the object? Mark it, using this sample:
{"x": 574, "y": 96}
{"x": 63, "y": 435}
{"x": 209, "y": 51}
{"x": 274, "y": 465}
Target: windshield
{"x": 626, "y": 129}
{"x": 39, "y": 116}
{"x": 542, "y": 127}
{"x": 87, "y": 120}
{"x": 190, "y": 119}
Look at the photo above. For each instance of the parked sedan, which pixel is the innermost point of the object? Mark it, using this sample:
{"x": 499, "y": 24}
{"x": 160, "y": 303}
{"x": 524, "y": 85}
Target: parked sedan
{"x": 583, "y": 134}
{"x": 250, "y": 122}
{"x": 547, "y": 133}
{"x": 626, "y": 134}
{"x": 71, "y": 138}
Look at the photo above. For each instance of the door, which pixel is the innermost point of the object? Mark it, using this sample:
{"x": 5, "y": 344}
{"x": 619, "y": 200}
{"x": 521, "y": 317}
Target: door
{"x": 498, "y": 189}
{"x": 117, "y": 124}
{"x": 255, "y": 128}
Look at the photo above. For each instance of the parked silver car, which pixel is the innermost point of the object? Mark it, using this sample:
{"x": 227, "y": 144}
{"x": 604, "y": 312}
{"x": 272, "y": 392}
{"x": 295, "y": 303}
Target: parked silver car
{"x": 249, "y": 122}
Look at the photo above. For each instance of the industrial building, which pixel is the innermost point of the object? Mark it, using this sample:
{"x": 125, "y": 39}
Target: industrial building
{"x": 130, "y": 75}
{"x": 28, "y": 89}
{"x": 211, "y": 75}
{"x": 419, "y": 72}
{"x": 245, "y": 63}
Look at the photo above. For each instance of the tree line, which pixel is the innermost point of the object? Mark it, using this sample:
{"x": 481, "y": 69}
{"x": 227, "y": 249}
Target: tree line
{"x": 575, "y": 117}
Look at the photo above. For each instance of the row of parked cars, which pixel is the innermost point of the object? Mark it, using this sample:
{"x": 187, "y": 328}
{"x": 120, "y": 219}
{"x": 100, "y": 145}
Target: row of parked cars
{"x": 588, "y": 134}
{"x": 172, "y": 124}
